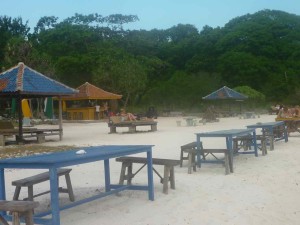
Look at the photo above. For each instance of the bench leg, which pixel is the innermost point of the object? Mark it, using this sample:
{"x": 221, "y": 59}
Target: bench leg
{"x": 17, "y": 193}
{"x": 191, "y": 163}
{"x": 263, "y": 147}
{"x": 154, "y": 127}
{"x": 2, "y": 140}
{"x": 230, "y": 160}
{"x": 41, "y": 138}
{"x": 123, "y": 176}
{"x": 172, "y": 178}
{"x": 166, "y": 179}
{"x": 30, "y": 193}
{"x": 132, "y": 129}
{"x": 235, "y": 146}
{"x": 272, "y": 143}
{"x": 181, "y": 157}
{"x": 69, "y": 187}
{"x": 194, "y": 161}
{"x": 113, "y": 129}
{"x": 15, "y": 218}
{"x": 29, "y": 218}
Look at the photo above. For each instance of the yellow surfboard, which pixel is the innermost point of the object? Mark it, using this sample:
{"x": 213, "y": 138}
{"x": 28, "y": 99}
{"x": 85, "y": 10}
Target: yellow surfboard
{"x": 26, "y": 109}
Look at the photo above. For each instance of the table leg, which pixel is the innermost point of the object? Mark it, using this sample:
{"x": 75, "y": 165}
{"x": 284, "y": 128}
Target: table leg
{"x": 2, "y": 188}
{"x": 255, "y": 143}
{"x": 199, "y": 151}
{"x": 150, "y": 175}
{"x": 230, "y": 151}
{"x": 285, "y": 134}
{"x": 107, "y": 175}
{"x": 272, "y": 138}
{"x": 54, "y": 196}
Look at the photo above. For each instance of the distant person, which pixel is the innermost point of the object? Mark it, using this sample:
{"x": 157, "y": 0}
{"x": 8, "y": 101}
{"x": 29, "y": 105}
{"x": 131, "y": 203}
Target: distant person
{"x": 284, "y": 112}
{"x": 97, "y": 107}
{"x": 105, "y": 109}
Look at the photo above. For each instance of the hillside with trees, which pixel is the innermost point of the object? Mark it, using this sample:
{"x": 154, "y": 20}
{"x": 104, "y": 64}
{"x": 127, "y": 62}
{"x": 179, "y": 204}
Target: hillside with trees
{"x": 172, "y": 68}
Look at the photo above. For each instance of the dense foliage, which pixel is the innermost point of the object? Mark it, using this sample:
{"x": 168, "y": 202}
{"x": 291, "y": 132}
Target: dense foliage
{"x": 172, "y": 68}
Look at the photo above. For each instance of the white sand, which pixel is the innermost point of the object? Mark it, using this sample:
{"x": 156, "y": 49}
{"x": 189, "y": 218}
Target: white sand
{"x": 262, "y": 190}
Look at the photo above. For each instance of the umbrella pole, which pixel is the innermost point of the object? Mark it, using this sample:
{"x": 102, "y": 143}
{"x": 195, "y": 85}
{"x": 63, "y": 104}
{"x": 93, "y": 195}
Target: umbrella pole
{"x": 20, "y": 114}
{"x": 60, "y": 118}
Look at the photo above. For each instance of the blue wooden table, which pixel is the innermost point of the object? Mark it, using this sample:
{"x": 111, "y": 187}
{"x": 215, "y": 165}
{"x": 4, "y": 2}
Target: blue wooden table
{"x": 228, "y": 135}
{"x": 269, "y": 128}
{"x": 69, "y": 158}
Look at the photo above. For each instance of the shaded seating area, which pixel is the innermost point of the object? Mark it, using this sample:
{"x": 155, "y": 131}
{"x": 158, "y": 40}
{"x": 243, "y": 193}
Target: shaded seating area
{"x": 226, "y": 96}
{"x": 31, "y": 84}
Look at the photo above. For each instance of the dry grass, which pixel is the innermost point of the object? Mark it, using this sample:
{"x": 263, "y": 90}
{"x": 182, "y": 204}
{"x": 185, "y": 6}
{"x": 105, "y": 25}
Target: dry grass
{"x": 30, "y": 149}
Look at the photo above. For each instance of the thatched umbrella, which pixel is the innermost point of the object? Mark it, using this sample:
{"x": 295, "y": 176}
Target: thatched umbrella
{"x": 23, "y": 82}
{"x": 225, "y": 93}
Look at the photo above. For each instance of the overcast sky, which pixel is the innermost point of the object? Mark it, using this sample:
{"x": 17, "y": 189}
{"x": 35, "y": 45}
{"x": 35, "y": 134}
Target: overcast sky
{"x": 160, "y": 14}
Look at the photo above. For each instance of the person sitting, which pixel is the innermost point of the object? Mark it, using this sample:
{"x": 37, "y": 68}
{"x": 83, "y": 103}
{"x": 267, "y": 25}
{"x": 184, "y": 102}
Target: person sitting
{"x": 284, "y": 112}
{"x": 297, "y": 111}
{"x": 128, "y": 116}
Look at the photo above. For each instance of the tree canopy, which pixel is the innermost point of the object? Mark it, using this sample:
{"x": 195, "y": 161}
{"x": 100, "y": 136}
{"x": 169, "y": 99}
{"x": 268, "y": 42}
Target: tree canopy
{"x": 175, "y": 67}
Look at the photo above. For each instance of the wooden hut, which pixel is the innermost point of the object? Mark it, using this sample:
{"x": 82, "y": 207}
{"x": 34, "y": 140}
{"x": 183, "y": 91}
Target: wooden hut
{"x": 82, "y": 105}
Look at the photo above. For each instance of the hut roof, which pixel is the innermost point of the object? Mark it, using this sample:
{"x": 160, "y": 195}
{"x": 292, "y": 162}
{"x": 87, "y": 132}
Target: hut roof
{"x": 225, "y": 93}
{"x": 27, "y": 82}
{"x": 89, "y": 91}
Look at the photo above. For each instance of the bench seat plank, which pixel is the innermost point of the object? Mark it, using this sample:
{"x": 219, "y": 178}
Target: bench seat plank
{"x": 155, "y": 161}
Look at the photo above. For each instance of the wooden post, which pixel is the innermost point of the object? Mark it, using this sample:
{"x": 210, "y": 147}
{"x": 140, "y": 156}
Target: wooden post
{"x": 60, "y": 118}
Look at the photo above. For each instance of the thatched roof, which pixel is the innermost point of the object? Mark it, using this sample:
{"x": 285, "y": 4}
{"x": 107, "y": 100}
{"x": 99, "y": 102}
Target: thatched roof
{"x": 89, "y": 91}
{"x": 225, "y": 93}
{"x": 22, "y": 80}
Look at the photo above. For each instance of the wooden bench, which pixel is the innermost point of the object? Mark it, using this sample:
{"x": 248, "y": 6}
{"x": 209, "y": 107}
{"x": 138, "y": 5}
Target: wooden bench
{"x": 116, "y": 121}
{"x": 39, "y": 178}
{"x": 18, "y": 209}
{"x": 169, "y": 174}
{"x": 245, "y": 142}
{"x": 40, "y": 134}
{"x": 192, "y": 151}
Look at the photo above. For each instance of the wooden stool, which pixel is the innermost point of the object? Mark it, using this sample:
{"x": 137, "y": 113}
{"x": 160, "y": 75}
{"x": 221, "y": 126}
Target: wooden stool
{"x": 18, "y": 209}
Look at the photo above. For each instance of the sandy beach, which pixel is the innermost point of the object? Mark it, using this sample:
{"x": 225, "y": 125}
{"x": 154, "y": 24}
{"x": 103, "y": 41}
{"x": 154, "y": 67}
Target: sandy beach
{"x": 262, "y": 190}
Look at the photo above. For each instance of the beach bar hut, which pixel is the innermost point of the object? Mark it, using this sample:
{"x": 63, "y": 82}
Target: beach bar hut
{"x": 22, "y": 82}
{"x": 82, "y": 105}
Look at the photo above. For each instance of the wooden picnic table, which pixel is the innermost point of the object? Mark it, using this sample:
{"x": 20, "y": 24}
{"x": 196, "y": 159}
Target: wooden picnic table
{"x": 228, "y": 135}
{"x": 57, "y": 160}
{"x": 276, "y": 130}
